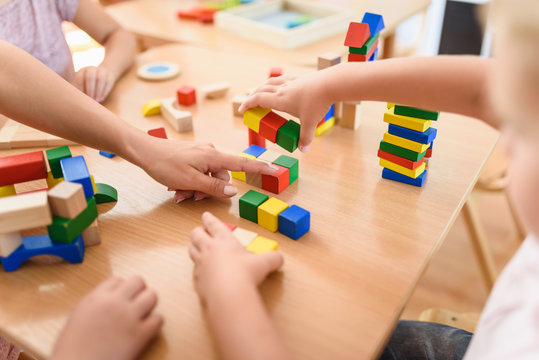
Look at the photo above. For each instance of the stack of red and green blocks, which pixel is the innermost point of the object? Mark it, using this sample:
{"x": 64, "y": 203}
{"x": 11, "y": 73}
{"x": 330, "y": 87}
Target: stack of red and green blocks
{"x": 362, "y": 38}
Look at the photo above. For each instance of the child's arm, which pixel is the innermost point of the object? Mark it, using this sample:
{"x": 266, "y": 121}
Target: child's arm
{"x": 446, "y": 83}
{"x": 226, "y": 279}
{"x": 120, "y": 48}
{"x": 34, "y": 95}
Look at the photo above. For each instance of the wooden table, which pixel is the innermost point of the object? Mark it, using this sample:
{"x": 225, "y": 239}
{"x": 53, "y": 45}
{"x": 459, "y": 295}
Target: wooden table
{"x": 343, "y": 285}
{"x": 155, "y": 21}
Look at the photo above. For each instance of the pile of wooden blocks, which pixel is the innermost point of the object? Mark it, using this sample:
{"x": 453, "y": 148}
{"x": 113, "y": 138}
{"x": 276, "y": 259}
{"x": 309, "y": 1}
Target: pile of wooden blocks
{"x": 287, "y": 173}
{"x": 67, "y": 207}
{"x": 273, "y": 127}
{"x": 362, "y": 38}
{"x": 251, "y": 241}
{"x": 407, "y": 143}
{"x": 14, "y": 135}
{"x": 274, "y": 214}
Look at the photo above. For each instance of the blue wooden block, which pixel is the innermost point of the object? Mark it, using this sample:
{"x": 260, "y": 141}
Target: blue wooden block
{"x": 43, "y": 245}
{"x": 374, "y": 55}
{"x": 294, "y": 222}
{"x": 75, "y": 170}
{"x": 395, "y": 176}
{"x": 375, "y": 22}
{"x": 330, "y": 113}
{"x": 425, "y": 137}
{"x": 255, "y": 150}
{"x": 107, "y": 154}
{"x": 430, "y": 147}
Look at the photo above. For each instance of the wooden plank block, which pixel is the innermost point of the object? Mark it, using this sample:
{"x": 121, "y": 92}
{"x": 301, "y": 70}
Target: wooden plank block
{"x": 67, "y": 199}
{"x": 409, "y": 164}
{"x": 9, "y": 242}
{"x": 54, "y": 156}
{"x": 406, "y": 121}
{"x": 425, "y": 137}
{"x": 395, "y": 176}
{"x": 22, "y": 168}
{"x": 6, "y": 134}
{"x": 351, "y": 115}
{"x": 25, "y": 211}
{"x": 215, "y": 91}
{"x": 23, "y": 140}
{"x": 53, "y": 140}
{"x": 352, "y": 57}
{"x": 402, "y": 152}
{"x": 91, "y": 236}
{"x": 405, "y": 143}
{"x": 402, "y": 170}
{"x": 181, "y": 121}
{"x": 326, "y": 125}
{"x": 416, "y": 112}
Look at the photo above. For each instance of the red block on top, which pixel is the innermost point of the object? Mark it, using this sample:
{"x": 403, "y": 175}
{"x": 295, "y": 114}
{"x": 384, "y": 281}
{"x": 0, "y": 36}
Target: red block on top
{"x": 363, "y": 58}
{"x": 274, "y": 72}
{"x": 256, "y": 139}
{"x": 21, "y": 168}
{"x": 192, "y": 13}
{"x": 186, "y": 95}
{"x": 278, "y": 181}
{"x": 159, "y": 133}
{"x": 409, "y": 164}
{"x": 270, "y": 124}
{"x": 358, "y": 34}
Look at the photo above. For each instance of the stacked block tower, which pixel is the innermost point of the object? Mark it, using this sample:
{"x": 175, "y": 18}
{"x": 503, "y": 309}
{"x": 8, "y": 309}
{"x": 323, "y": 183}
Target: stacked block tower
{"x": 407, "y": 143}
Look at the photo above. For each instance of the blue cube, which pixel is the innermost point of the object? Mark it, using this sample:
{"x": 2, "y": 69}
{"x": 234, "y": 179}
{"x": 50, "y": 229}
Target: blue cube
{"x": 255, "y": 150}
{"x": 75, "y": 170}
{"x": 294, "y": 222}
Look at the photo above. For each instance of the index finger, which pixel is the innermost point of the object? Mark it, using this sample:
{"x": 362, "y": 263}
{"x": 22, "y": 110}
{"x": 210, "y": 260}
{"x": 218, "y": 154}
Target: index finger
{"x": 214, "y": 226}
{"x": 238, "y": 163}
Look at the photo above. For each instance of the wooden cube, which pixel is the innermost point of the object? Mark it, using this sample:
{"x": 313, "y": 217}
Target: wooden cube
{"x": 67, "y": 199}
{"x": 262, "y": 245}
{"x": 270, "y": 125}
{"x": 186, "y": 96}
{"x": 268, "y": 213}
{"x": 91, "y": 236}
{"x": 249, "y": 204}
{"x": 278, "y": 181}
{"x": 9, "y": 242}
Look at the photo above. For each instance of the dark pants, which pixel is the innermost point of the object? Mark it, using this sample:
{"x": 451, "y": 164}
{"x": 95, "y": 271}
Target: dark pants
{"x": 417, "y": 340}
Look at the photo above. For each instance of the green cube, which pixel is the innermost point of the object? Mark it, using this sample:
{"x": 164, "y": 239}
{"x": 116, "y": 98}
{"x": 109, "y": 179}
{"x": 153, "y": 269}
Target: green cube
{"x": 402, "y": 152}
{"x": 288, "y": 136}
{"x": 416, "y": 112}
{"x": 249, "y": 204}
{"x": 54, "y": 156}
{"x": 105, "y": 193}
{"x": 364, "y": 50}
{"x": 291, "y": 163}
{"x": 65, "y": 231}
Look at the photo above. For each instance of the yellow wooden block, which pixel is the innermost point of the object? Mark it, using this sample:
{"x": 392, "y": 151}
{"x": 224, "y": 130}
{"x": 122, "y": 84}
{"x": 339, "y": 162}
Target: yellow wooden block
{"x": 268, "y": 213}
{"x": 390, "y": 105}
{"x": 405, "y": 143}
{"x": 7, "y": 190}
{"x": 406, "y": 121}
{"x": 152, "y": 107}
{"x": 324, "y": 127}
{"x": 240, "y": 175}
{"x": 93, "y": 184}
{"x": 252, "y": 117}
{"x": 262, "y": 245}
{"x": 51, "y": 181}
{"x": 402, "y": 170}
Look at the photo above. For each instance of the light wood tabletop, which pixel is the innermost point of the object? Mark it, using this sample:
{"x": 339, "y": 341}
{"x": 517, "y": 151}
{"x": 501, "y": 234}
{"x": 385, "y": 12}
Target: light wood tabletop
{"x": 343, "y": 285}
{"x": 154, "y": 20}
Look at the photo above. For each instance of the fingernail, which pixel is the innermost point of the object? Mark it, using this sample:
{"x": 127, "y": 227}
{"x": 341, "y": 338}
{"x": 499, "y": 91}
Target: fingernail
{"x": 179, "y": 200}
{"x": 274, "y": 167}
{"x": 199, "y": 197}
{"x": 304, "y": 148}
{"x": 230, "y": 190}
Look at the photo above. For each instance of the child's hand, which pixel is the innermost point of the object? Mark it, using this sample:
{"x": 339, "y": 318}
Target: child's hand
{"x": 305, "y": 98}
{"x": 222, "y": 265}
{"x": 96, "y": 82}
{"x": 114, "y": 321}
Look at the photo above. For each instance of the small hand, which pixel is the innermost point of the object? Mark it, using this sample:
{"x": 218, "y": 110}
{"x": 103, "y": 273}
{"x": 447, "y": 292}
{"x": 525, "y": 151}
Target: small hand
{"x": 96, "y": 82}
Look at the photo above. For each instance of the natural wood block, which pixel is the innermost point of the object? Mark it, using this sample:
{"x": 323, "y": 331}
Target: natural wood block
{"x": 351, "y": 115}
{"x": 24, "y": 211}
{"x": 244, "y": 236}
{"x": 269, "y": 156}
{"x": 29, "y": 139}
{"x": 181, "y": 121}
{"x": 67, "y": 199}
{"x": 91, "y": 236}
{"x": 53, "y": 140}
{"x": 327, "y": 60}
{"x": 215, "y": 91}
{"x": 6, "y": 134}
{"x": 9, "y": 242}
{"x": 236, "y": 102}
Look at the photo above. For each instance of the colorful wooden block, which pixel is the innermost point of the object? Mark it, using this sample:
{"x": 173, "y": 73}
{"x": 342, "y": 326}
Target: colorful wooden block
{"x": 360, "y": 57}
{"x": 65, "y": 230}
{"x": 256, "y": 139}
{"x": 269, "y": 156}
{"x": 106, "y": 154}
{"x": 375, "y": 22}
{"x": 294, "y": 222}
{"x": 402, "y": 170}
{"x": 395, "y": 176}
{"x": 52, "y": 181}
{"x": 416, "y": 112}
{"x": 181, "y": 121}
{"x": 254, "y": 179}
{"x": 249, "y": 204}
{"x": 357, "y": 35}
{"x": 328, "y": 60}
{"x": 9, "y": 242}
{"x": 288, "y": 136}
{"x": 20, "y": 168}
{"x": 7, "y": 190}
{"x": 428, "y": 153}
{"x": 324, "y": 127}
{"x": 278, "y": 181}
{"x": 374, "y": 55}
{"x": 54, "y": 156}
{"x": 91, "y": 236}
{"x": 236, "y": 102}
{"x": 365, "y": 49}
{"x": 402, "y": 152}
{"x": 261, "y": 245}
{"x": 152, "y": 107}
{"x": 245, "y": 237}
{"x": 291, "y": 164}
{"x": 405, "y": 143}
{"x": 24, "y": 211}
{"x": 67, "y": 200}
{"x": 351, "y": 115}
{"x": 252, "y": 117}
{"x": 270, "y": 125}
{"x": 240, "y": 175}
{"x": 425, "y": 137}
{"x": 215, "y": 91}
{"x": 158, "y": 133}
{"x": 75, "y": 170}
{"x": 42, "y": 245}
{"x": 268, "y": 213}
{"x": 230, "y": 227}
{"x": 406, "y": 121}
{"x": 105, "y": 193}
{"x": 186, "y": 96}
{"x": 255, "y": 150}
{"x": 275, "y": 72}
{"x": 408, "y": 164}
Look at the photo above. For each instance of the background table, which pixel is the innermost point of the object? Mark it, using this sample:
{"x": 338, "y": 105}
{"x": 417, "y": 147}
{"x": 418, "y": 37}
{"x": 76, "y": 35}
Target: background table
{"x": 343, "y": 285}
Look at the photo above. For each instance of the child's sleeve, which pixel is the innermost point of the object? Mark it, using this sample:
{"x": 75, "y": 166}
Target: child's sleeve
{"x": 67, "y": 9}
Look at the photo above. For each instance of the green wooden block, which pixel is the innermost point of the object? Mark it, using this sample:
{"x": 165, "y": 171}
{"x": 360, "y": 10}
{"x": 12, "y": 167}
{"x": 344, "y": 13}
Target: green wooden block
{"x": 416, "y": 112}
{"x": 105, "y": 193}
{"x": 402, "y": 152}
{"x": 364, "y": 50}
{"x": 65, "y": 231}
{"x": 288, "y": 136}
{"x": 249, "y": 204}
{"x": 291, "y": 163}
{"x": 54, "y": 156}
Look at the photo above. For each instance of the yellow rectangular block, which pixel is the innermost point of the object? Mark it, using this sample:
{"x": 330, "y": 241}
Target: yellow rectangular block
{"x": 402, "y": 170}
{"x": 262, "y": 245}
{"x": 390, "y": 105}
{"x": 51, "y": 181}
{"x": 268, "y": 213}
{"x": 324, "y": 127}
{"x": 405, "y": 143}
{"x": 7, "y": 190}
{"x": 406, "y": 121}
{"x": 93, "y": 184}
{"x": 252, "y": 117}
{"x": 240, "y": 175}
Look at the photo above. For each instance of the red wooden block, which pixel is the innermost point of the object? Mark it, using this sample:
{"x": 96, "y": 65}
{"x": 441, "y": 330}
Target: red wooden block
{"x": 231, "y": 227}
{"x": 409, "y": 164}
{"x": 276, "y": 182}
{"x": 191, "y": 14}
{"x": 159, "y": 133}
{"x": 429, "y": 153}
{"x": 274, "y": 72}
{"x": 256, "y": 139}
{"x": 186, "y": 95}
{"x": 357, "y": 35}
{"x": 363, "y": 58}
{"x": 21, "y": 168}
{"x": 206, "y": 17}
{"x": 270, "y": 124}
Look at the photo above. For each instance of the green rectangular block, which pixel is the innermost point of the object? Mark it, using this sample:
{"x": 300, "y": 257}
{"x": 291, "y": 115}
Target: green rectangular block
{"x": 291, "y": 163}
{"x": 249, "y": 204}
{"x": 288, "y": 136}
{"x": 402, "y": 152}
{"x": 364, "y": 50}
{"x": 65, "y": 231}
{"x": 416, "y": 112}
{"x": 54, "y": 156}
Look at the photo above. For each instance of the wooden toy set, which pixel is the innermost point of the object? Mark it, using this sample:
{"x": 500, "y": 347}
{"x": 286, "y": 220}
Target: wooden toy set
{"x": 67, "y": 207}
{"x": 407, "y": 143}
{"x": 273, "y": 127}
{"x": 362, "y": 38}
